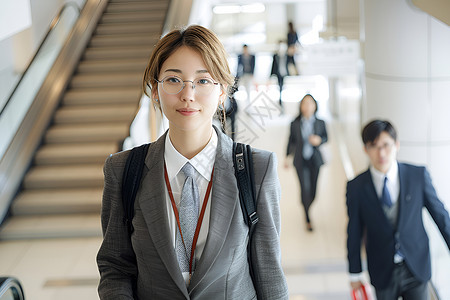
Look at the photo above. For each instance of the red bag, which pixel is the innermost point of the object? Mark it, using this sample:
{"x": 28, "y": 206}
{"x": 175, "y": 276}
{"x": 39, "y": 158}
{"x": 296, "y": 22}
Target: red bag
{"x": 360, "y": 294}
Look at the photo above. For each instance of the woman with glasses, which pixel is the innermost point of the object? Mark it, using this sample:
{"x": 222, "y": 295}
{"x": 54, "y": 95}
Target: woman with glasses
{"x": 306, "y": 135}
{"x": 190, "y": 239}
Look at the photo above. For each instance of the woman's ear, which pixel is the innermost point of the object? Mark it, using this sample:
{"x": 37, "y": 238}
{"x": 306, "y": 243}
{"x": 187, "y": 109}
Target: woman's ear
{"x": 223, "y": 94}
{"x": 155, "y": 93}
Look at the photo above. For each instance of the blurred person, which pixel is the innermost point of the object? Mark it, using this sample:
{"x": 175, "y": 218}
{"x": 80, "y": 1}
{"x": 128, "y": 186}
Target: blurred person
{"x": 385, "y": 211}
{"x": 188, "y": 173}
{"x": 292, "y": 43}
{"x": 279, "y": 66}
{"x": 307, "y": 133}
{"x": 246, "y": 69}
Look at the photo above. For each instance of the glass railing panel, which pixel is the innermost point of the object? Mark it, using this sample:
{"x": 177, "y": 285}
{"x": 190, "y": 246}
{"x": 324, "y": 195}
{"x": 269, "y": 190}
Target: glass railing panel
{"x": 23, "y": 96}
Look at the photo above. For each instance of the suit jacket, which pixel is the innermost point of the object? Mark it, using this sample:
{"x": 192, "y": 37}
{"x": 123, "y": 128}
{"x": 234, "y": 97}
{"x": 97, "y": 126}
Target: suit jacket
{"x": 144, "y": 265}
{"x": 366, "y": 216}
{"x": 295, "y": 143}
{"x": 240, "y": 68}
{"x": 275, "y": 70}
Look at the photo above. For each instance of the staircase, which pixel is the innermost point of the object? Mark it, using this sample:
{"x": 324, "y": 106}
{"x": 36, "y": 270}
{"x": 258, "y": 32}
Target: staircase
{"x": 61, "y": 193}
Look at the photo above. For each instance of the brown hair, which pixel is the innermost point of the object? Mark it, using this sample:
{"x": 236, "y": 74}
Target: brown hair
{"x": 198, "y": 38}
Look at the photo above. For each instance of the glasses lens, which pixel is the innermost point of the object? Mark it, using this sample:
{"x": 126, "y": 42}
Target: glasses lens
{"x": 172, "y": 85}
{"x": 204, "y": 86}
{"x": 201, "y": 86}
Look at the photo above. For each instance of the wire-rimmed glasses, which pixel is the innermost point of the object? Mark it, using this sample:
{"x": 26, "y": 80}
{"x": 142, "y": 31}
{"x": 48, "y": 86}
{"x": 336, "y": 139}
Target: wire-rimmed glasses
{"x": 201, "y": 86}
{"x": 385, "y": 147}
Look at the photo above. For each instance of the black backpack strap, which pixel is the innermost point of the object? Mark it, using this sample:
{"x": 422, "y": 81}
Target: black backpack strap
{"x": 132, "y": 174}
{"x": 243, "y": 166}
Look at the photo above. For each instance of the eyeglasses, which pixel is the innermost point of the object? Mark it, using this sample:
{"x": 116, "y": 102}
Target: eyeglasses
{"x": 201, "y": 86}
{"x": 385, "y": 147}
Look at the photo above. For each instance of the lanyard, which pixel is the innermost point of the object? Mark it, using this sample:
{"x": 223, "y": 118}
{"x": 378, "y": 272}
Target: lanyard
{"x": 200, "y": 218}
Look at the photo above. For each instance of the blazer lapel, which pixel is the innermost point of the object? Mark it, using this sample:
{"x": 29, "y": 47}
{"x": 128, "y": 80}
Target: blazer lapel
{"x": 224, "y": 199}
{"x": 298, "y": 132}
{"x": 404, "y": 197}
{"x": 317, "y": 128}
{"x": 373, "y": 199}
{"x": 371, "y": 193}
{"x": 153, "y": 205}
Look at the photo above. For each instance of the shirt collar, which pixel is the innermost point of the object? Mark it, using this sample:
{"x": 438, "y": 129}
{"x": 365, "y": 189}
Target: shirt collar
{"x": 391, "y": 174}
{"x": 312, "y": 119}
{"x": 203, "y": 162}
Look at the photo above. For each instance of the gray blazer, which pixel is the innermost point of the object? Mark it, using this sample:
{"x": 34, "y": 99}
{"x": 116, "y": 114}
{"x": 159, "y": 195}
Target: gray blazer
{"x": 144, "y": 265}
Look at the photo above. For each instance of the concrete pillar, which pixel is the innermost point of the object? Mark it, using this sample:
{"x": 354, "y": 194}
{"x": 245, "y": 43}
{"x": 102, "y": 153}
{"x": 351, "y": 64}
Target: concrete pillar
{"x": 407, "y": 77}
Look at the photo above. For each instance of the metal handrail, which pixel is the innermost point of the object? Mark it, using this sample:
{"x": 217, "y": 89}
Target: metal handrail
{"x": 12, "y": 284}
{"x": 52, "y": 26}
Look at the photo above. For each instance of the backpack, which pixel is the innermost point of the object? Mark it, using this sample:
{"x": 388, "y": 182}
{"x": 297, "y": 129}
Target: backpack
{"x": 243, "y": 166}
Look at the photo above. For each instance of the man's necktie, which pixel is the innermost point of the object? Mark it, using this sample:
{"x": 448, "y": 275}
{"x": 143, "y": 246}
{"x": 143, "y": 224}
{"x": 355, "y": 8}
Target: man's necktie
{"x": 385, "y": 196}
{"x": 188, "y": 214}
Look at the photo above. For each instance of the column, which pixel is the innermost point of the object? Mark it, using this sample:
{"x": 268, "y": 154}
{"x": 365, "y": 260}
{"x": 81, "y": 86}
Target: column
{"x": 407, "y": 77}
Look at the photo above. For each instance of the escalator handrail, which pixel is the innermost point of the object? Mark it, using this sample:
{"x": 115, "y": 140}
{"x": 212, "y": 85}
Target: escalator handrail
{"x": 52, "y": 26}
{"x": 11, "y": 283}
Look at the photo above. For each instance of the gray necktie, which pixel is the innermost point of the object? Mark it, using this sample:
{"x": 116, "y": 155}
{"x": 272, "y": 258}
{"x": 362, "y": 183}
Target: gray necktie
{"x": 188, "y": 214}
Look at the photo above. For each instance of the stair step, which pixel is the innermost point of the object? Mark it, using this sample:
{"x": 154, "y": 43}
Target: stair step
{"x": 70, "y": 201}
{"x": 124, "y": 40}
{"x": 95, "y": 114}
{"x": 129, "y": 28}
{"x": 88, "y": 153}
{"x": 132, "y": 16}
{"x": 48, "y": 226}
{"x": 125, "y": 6}
{"x": 108, "y": 66}
{"x": 105, "y": 53}
{"x": 61, "y": 193}
{"x": 101, "y": 80}
{"x": 100, "y": 96}
{"x": 154, "y": 2}
{"x": 110, "y": 132}
{"x": 67, "y": 176}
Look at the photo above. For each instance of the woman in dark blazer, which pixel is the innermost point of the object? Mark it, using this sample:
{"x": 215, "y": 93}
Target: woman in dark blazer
{"x": 188, "y": 75}
{"x": 306, "y": 135}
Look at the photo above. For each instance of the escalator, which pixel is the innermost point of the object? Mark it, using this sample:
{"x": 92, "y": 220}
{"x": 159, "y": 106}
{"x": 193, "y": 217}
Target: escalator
{"x": 60, "y": 195}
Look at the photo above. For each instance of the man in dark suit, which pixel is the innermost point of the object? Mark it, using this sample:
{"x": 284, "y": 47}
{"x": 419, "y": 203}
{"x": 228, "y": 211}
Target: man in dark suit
{"x": 279, "y": 68}
{"x": 245, "y": 69}
{"x": 385, "y": 204}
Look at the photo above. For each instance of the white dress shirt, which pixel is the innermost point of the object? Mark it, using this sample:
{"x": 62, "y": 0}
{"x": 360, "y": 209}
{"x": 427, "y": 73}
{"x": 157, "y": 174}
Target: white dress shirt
{"x": 203, "y": 163}
{"x": 393, "y": 182}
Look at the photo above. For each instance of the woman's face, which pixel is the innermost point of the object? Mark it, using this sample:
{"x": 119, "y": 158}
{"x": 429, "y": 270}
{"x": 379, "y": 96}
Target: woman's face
{"x": 307, "y": 107}
{"x": 190, "y": 109}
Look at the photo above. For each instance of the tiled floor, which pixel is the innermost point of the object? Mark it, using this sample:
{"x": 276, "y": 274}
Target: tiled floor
{"x": 314, "y": 262}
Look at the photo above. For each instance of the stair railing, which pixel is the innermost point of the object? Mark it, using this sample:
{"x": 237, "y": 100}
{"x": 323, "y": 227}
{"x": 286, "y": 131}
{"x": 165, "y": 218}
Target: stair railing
{"x": 17, "y": 149}
{"x": 26, "y": 88}
{"x": 51, "y": 28}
